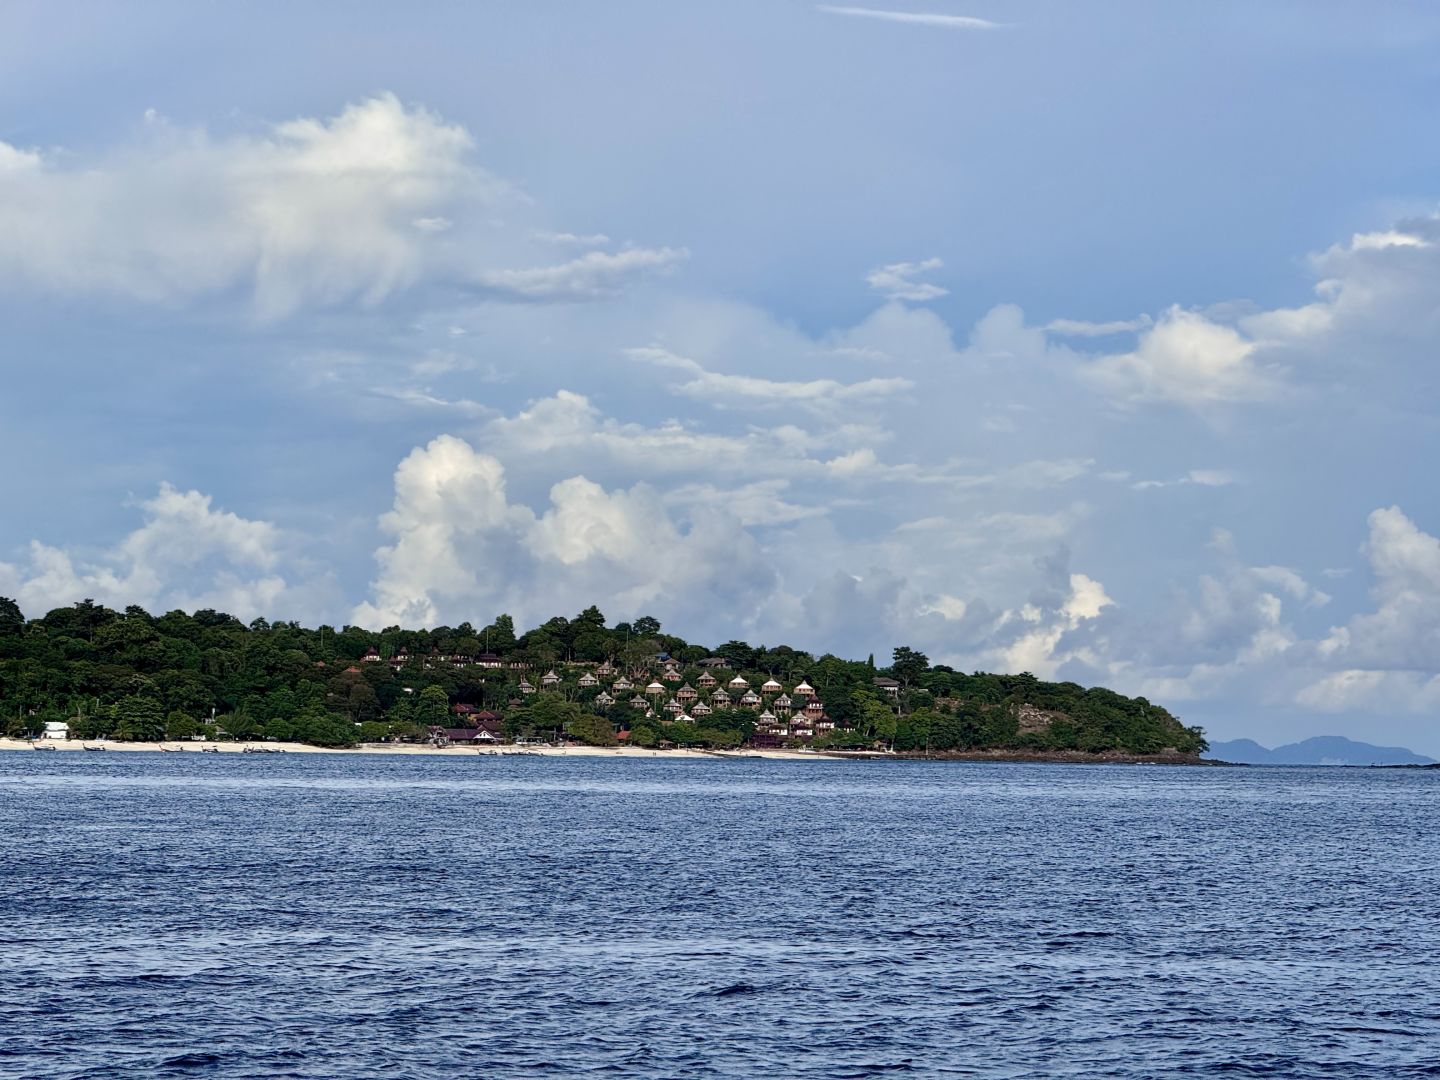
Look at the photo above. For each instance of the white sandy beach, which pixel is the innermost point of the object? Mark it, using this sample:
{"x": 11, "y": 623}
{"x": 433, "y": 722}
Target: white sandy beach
{"x": 411, "y": 750}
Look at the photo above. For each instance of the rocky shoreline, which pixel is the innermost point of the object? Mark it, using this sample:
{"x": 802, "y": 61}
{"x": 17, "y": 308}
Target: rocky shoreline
{"x": 1060, "y": 757}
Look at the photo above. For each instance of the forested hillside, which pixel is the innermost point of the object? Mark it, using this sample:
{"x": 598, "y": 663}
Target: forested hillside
{"x": 132, "y": 675}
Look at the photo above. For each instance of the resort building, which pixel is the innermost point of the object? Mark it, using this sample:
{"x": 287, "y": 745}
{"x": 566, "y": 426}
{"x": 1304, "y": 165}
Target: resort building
{"x": 526, "y": 688}
{"x": 771, "y": 687}
{"x": 550, "y": 679}
{"x": 655, "y": 689}
{"x": 782, "y": 704}
{"x": 738, "y": 683}
{"x": 588, "y": 680}
{"x": 804, "y": 689}
{"x": 687, "y": 693}
{"x": 707, "y": 681}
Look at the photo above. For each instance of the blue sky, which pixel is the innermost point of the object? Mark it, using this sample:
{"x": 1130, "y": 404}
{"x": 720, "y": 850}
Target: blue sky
{"x": 1088, "y": 339}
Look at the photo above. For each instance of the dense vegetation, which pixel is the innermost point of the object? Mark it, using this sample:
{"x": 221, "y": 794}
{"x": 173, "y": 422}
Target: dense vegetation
{"x": 131, "y": 675}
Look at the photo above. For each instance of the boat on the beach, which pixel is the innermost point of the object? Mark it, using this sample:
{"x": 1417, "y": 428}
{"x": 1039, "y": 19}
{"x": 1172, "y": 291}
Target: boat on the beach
{"x": 167, "y": 749}
{"x": 39, "y": 747}
{"x": 209, "y": 749}
{"x": 92, "y": 748}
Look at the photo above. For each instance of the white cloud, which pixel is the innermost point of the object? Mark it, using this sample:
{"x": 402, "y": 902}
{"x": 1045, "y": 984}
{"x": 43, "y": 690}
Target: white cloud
{"x": 898, "y": 281}
{"x": 751, "y": 391}
{"x": 946, "y": 22}
{"x": 351, "y": 209}
{"x": 592, "y": 276}
{"x": 1188, "y": 360}
{"x": 462, "y": 549}
{"x": 310, "y": 212}
{"x": 186, "y": 554}
{"x": 1081, "y": 328}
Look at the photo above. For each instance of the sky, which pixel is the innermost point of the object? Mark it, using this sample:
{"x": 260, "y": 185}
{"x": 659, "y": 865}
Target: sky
{"x": 1095, "y": 340}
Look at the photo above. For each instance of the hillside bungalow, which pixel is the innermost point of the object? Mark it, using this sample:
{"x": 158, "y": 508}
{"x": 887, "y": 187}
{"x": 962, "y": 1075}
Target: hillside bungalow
{"x": 526, "y": 688}
{"x": 371, "y": 657}
{"x": 708, "y": 681}
{"x": 804, "y": 689}
{"x": 673, "y": 707}
{"x": 671, "y": 674}
{"x": 890, "y": 686}
{"x": 713, "y": 662}
{"x": 400, "y": 659}
{"x": 771, "y": 687}
{"x": 750, "y": 699}
{"x": 639, "y": 702}
{"x": 687, "y": 693}
{"x": 604, "y": 700}
{"x": 814, "y": 709}
{"x": 655, "y": 689}
{"x": 739, "y": 683}
{"x": 622, "y": 684}
{"x": 550, "y": 679}
{"x": 489, "y": 660}
{"x": 588, "y": 680}
{"x": 720, "y": 699}
{"x": 605, "y": 670}
{"x": 782, "y": 704}
{"x": 701, "y": 709}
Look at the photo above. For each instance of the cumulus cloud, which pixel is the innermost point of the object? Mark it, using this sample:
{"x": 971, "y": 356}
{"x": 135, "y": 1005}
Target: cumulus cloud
{"x": 1188, "y": 360}
{"x": 310, "y": 211}
{"x": 461, "y": 549}
{"x": 350, "y": 209}
{"x": 899, "y": 281}
{"x": 186, "y": 554}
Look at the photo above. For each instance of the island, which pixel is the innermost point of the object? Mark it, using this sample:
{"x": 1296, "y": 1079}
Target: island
{"x": 92, "y": 675}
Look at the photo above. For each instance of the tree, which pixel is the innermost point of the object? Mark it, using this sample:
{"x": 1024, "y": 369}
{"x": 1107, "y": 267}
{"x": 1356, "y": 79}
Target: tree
{"x": 433, "y": 708}
{"x": 179, "y": 725}
{"x": 591, "y": 730}
{"x": 12, "y": 619}
{"x": 907, "y": 664}
{"x": 139, "y": 719}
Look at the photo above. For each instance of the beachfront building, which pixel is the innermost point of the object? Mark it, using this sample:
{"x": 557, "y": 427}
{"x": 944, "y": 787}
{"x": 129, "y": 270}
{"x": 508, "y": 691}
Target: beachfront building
{"x": 55, "y": 729}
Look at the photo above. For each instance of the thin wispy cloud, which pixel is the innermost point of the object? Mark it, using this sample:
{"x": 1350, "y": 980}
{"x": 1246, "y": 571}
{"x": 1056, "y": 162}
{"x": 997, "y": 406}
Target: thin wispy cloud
{"x": 918, "y": 18}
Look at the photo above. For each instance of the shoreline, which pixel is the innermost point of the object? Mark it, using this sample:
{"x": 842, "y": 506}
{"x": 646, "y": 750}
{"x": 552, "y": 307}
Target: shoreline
{"x": 1013, "y": 757}
{"x": 413, "y": 750}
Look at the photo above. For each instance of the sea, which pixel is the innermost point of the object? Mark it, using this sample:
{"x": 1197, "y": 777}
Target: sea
{"x": 303, "y": 915}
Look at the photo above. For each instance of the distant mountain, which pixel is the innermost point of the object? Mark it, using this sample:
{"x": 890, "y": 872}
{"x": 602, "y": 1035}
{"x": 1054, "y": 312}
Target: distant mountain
{"x": 1321, "y": 750}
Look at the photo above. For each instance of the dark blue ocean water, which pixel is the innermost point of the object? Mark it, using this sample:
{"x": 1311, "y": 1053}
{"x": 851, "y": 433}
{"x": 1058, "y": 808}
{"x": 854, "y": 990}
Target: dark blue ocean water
{"x": 313, "y": 916}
